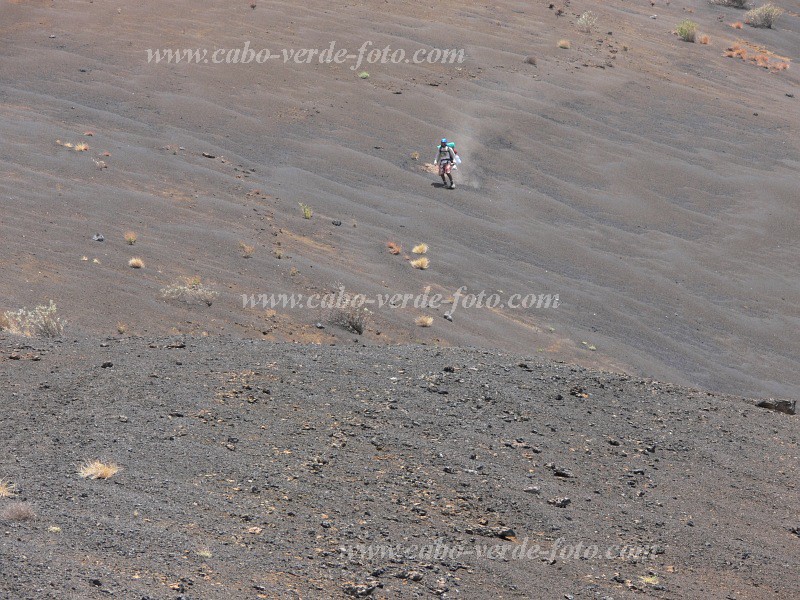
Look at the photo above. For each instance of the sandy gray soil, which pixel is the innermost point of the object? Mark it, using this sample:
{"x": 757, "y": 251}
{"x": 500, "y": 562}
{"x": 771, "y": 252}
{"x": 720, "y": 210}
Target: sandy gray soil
{"x": 654, "y": 188}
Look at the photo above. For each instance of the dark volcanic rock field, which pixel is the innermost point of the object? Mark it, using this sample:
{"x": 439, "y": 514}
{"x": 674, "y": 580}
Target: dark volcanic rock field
{"x": 259, "y": 470}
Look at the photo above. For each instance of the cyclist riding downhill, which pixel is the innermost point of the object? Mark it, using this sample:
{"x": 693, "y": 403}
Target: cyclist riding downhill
{"x": 446, "y": 158}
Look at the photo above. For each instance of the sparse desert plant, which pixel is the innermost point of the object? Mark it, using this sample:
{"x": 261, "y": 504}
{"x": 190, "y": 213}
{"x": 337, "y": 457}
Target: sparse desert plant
{"x": 307, "y": 212}
{"x": 363, "y": 75}
{"x": 350, "y": 317}
{"x": 122, "y": 328}
{"x": 7, "y": 489}
{"x": 190, "y": 290}
{"x": 420, "y": 263}
{"x": 737, "y": 25}
{"x": 762, "y": 60}
{"x": 204, "y": 553}
{"x": 687, "y": 30}
{"x": 247, "y": 250}
{"x": 763, "y": 16}
{"x": 736, "y": 51}
{"x": 420, "y": 249}
{"x": 81, "y": 147}
{"x": 130, "y": 238}
{"x": 564, "y": 44}
{"x": 42, "y": 321}
{"x": 586, "y": 22}
{"x": 733, "y": 3}
{"x": 424, "y": 321}
{"x": 18, "y": 511}
{"x": 97, "y": 469}
{"x": 415, "y": 156}
{"x": 394, "y": 248}
{"x": 704, "y": 39}
{"x": 136, "y": 263}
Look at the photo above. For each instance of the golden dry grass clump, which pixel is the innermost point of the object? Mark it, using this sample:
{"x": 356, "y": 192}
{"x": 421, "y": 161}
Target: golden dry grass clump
{"x": 420, "y": 249}
{"x": 704, "y": 39}
{"x": 564, "y": 44}
{"x": 136, "y": 263}
{"x": 424, "y": 321}
{"x": 394, "y": 248}
{"x": 98, "y": 470}
{"x": 130, "y": 237}
{"x": 7, "y": 489}
{"x": 420, "y": 263}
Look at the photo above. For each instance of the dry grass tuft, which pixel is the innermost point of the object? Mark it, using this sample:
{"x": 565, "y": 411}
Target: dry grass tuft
{"x": 306, "y": 210}
{"x": 704, "y": 39}
{"x": 736, "y": 51}
{"x": 564, "y": 44}
{"x": 420, "y": 263}
{"x": 761, "y": 60}
{"x": 420, "y": 249}
{"x": 7, "y": 489}
{"x": 247, "y": 250}
{"x": 394, "y": 248}
{"x": 136, "y": 263}
{"x": 737, "y": 25}
{"x": 424, "y": 321}
{"x": 130, "y": 238}
{"x": 122, "y": 328}
{"x": 98, "y": 470}
{"x": 18, "y": 511}
{"x": 82, "y": 147}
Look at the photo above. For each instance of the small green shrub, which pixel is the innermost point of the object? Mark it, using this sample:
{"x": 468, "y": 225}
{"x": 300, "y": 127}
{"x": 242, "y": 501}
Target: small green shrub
{"x": 687, "y": 30}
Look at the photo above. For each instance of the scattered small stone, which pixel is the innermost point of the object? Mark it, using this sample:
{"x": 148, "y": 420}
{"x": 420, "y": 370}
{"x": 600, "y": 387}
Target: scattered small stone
{"x": 560, "y": 502}
{"x": 533, "y": 490}
{"x": 613, "y": 442}
{"x": 784, "y": 406}
{"x": 319, "y": 326}
{"x": 107, "y": 365}
{"x": 412, "y": 575}
{"x": 359, "y": 590}
{"x": 337, "y": 223}
{"x": 99, "y": 237}
{"x": 448, "y": 316}
{"x": 209, "y": 155}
